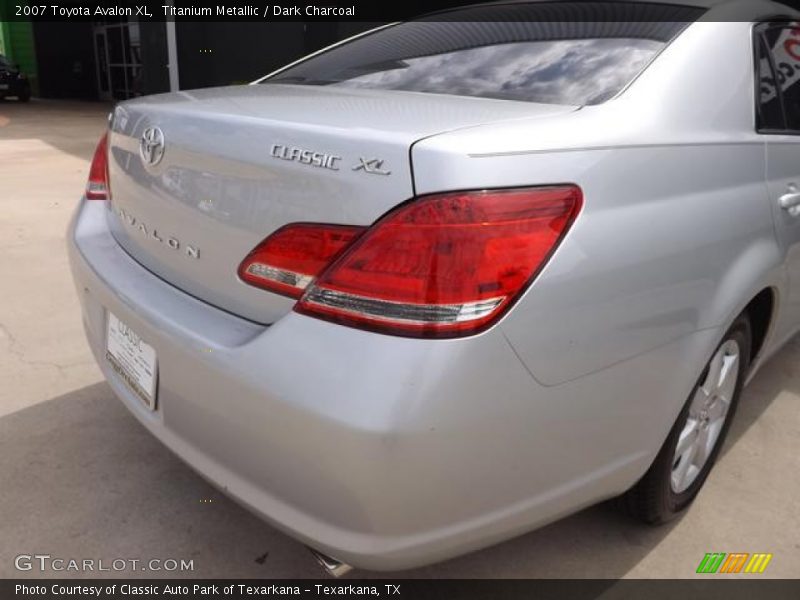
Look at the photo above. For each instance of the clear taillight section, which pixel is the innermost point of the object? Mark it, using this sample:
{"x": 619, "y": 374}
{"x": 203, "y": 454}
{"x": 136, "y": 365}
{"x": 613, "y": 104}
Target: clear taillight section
{"x": 445, "y": 265}
{"x": 97, "y": 187}
{"x": 289, "y": 259}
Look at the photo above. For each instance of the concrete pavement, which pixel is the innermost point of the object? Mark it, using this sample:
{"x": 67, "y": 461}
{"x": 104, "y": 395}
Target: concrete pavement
{"x": 80, "y": 478}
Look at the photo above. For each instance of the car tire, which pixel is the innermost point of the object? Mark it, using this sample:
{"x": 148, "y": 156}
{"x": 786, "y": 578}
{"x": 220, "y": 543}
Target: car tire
{"x": 675, "y": 478}
{"x": 24, "y": 96}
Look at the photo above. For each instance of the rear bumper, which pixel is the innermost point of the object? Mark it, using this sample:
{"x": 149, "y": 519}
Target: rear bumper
{"x": 382, "y": 452}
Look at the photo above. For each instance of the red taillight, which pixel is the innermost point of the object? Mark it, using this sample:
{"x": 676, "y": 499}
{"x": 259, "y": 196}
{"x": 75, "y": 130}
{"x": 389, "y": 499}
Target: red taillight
{"x": 290, "y": 258}
{"x": 97, "y": 185}
{"x": 445, "y": 265}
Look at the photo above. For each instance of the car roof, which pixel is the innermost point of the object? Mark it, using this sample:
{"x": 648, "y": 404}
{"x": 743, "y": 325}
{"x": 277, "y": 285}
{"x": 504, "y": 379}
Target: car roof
{"x": 716, "y": 10}
{"x": 709, "y": 4}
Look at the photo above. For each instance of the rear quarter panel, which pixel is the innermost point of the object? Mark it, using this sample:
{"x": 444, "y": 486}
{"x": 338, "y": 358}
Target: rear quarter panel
{"x": 676, "y": 233}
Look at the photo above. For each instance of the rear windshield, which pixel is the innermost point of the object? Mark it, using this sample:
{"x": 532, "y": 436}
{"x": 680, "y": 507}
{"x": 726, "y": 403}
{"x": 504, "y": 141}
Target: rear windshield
{"x": 513, "y": 52}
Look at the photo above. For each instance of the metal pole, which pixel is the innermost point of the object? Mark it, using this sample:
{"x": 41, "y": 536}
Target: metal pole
{"x": 172, "y": 54}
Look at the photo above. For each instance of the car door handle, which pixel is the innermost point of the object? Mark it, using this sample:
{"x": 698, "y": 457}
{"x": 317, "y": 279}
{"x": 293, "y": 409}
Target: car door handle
{"x": 790, "y": 201}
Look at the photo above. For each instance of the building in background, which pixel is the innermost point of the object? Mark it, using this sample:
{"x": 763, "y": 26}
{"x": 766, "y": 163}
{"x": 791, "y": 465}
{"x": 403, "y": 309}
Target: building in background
{"x": 120, "y": 58}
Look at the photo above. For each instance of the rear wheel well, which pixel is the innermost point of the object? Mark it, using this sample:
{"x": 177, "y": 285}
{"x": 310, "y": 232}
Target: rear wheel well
{"x": 760, "y": 310}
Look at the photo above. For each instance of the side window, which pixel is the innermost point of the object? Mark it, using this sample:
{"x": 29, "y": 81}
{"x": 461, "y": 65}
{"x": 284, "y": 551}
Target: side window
{"x": 783, "y": 42}
{"x": 769, "y": 115}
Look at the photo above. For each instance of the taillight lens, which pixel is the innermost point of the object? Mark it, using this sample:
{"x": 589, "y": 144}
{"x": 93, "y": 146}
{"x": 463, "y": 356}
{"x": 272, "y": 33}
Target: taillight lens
{"x": 97, "y": 185}
{"x": 445, "y": 265}
{"x": 289, "y": 259}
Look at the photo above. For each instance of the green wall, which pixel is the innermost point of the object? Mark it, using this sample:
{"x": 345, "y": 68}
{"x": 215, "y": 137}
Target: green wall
{"x": 16, "y": 43}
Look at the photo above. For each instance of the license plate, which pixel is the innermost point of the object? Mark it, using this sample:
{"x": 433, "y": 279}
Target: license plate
{"x": 133, "y": 359}
{"x": 3, "y": 86}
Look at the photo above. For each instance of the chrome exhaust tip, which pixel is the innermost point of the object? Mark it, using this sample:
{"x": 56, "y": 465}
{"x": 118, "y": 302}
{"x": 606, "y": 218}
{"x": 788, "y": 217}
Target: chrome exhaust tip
{"x": 334, "y": 567}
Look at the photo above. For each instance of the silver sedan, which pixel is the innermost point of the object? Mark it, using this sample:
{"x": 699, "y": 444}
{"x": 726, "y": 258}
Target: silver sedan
{"x": 455, "y": 278}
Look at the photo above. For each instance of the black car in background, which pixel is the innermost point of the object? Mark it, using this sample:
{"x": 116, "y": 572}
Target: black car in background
{"x": 13, "y": 82}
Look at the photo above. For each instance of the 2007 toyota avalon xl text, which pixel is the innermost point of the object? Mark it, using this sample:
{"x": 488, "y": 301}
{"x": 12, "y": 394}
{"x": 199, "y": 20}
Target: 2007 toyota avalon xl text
{"x": 455, "y": 278}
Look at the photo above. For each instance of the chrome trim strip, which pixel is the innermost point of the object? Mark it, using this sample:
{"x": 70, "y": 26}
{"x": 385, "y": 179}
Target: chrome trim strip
{"x": 401, "y": 312}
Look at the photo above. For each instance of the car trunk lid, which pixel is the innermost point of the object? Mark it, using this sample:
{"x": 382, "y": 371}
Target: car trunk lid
{"x": 235, "y": 164}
